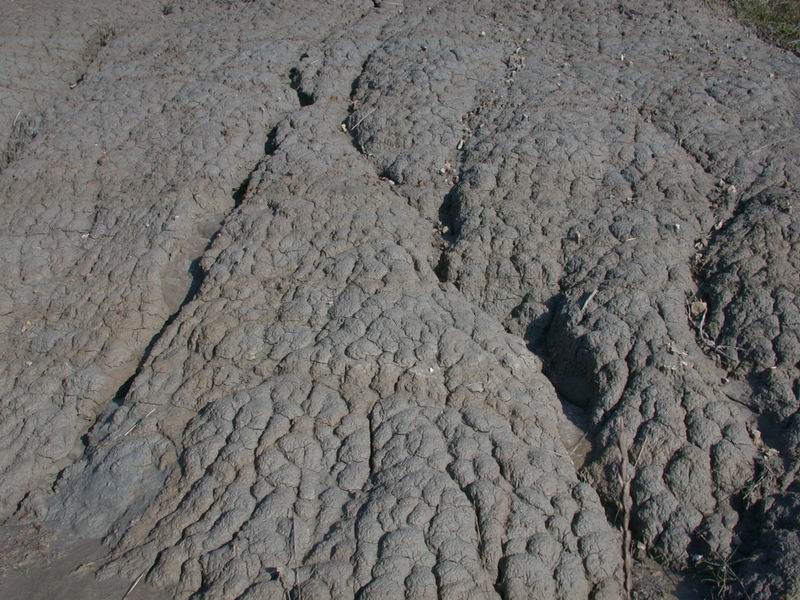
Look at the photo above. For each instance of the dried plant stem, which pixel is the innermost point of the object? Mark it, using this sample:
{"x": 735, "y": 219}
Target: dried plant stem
{"x": 625, "y": 480}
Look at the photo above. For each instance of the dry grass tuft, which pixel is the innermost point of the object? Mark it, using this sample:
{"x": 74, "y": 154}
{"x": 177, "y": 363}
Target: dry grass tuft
{"x": 776, "y": 20}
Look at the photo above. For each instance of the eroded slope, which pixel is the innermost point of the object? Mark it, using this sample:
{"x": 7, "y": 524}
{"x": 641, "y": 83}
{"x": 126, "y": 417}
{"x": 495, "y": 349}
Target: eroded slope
{"x": 340, "y": 390}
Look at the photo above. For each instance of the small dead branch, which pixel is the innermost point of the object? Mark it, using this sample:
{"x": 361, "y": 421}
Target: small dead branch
{"x": 688, "y": 135}
{"x": 133, "y": 585}
{"x": 294, "y": 547}
{"x": 558, "y": 454}
{"x": 625, "y": 480}
{"x": 641, "y": 449}
{"x": 698, "y": 311}
{"x": 152, "y": 410}
{"x": 588, "y": 299}
{"x": 770, "y": 145}
{"x": 91, "y": 565}
{"x": 361, "y": 120}
{"x": 584, "y": 437}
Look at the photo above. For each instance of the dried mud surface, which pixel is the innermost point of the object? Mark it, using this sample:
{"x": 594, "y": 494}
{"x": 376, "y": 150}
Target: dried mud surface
{"x": 398, "y": 299}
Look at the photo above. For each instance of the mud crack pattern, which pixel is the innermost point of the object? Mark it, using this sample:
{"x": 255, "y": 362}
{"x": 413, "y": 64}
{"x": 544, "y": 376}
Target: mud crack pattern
{"x": 290, "y": 293}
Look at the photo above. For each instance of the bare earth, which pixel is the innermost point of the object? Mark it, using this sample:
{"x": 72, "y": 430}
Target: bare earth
{"x": 397, "y": 300}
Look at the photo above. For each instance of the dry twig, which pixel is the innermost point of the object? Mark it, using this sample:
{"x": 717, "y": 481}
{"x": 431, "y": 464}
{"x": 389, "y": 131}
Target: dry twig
{"x": 625, "y": 480}
{"x": 133, "y": 585}
{"x": 588, "y": 299}
{"x": 152, "y": 410}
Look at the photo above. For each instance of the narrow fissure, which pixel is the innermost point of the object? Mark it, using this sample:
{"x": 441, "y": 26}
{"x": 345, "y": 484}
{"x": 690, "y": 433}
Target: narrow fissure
{"x": 103, "y": 417}
{"x": 699, "y": 304}
{"x": 574, "y": 426}
{"x": 197, "y": 276}
{"x": 296, "y": 83}
{"x": 99, "y": 40}
{"x": 498, "y": 584}
{"x": 353, "y": 119}
{"x": 446, "y": 232}
{"x": 448, "y": 229}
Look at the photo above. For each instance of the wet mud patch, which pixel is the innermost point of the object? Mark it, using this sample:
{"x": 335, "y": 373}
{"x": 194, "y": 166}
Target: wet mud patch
{"x": 37, "y": 564}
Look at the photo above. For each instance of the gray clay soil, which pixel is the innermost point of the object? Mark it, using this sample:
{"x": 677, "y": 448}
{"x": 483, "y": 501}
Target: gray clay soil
{"x": 397, "y": 300}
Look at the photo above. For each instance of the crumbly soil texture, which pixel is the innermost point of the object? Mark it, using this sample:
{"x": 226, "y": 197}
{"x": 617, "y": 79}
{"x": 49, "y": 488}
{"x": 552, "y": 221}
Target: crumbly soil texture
{"x": 415, "y": 299}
